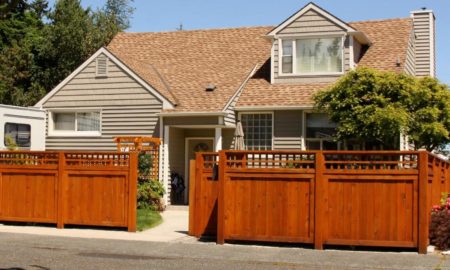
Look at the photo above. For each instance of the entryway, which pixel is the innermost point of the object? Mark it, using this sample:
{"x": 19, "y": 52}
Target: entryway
{"x": 193, "y": 145}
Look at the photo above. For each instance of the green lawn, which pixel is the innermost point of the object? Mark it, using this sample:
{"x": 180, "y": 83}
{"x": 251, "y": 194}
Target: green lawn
{"x": 147, "y": 219}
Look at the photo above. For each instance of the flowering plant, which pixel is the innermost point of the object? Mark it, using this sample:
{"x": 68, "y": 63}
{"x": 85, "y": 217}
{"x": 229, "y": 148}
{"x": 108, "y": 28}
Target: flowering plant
{"x": 440, "y": 223}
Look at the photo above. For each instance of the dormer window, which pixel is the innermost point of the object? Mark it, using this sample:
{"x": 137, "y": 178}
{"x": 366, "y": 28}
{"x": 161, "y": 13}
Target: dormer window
{"x": 312, "y": 55}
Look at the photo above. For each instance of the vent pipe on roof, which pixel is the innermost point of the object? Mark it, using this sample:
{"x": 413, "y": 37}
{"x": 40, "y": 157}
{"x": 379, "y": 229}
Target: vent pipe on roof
{"x": 210, "y": 87}
{"x": 398, "y": 63}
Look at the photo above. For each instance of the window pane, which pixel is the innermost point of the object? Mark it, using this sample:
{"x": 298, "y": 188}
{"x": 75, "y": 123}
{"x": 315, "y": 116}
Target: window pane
{"x": 319, "y": 55}
{"x": 20, "y": 133}
{"x": 286, "y": 59}
{"x": 258, "y": 131}
{"x": 88, "y": 121}
{"x": 64, "y": 121}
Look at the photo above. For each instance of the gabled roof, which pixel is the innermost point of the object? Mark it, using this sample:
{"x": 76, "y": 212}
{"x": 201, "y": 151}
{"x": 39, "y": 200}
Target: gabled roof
{"x": 389, "y": 42}
{"x": 311, "y": 6}
{"x": 160, "y": 93}
{"x": 188, "y": 61}
{"x": 181, "y": 64}
{"x": 389, "y": 45}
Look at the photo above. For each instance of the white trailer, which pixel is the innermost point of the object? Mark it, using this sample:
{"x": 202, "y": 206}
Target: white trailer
{"x": 25, "y": 125}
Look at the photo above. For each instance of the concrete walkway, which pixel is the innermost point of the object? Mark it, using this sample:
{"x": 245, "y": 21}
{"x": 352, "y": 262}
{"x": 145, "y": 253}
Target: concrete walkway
{"x": 173, "y": 229}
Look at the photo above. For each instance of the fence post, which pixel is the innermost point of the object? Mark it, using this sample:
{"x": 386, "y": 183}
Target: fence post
{"x": 221, "y": 199}
{"x": 319, "y": 201}
{"x": 424, "y": 212}
{"x": 192, "y": 184}
{"x": 60, "y": 191}
{"x": 132, "y": 191}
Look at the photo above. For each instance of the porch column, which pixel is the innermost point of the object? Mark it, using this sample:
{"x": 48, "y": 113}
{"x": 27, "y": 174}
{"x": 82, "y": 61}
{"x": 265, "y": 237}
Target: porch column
{"x": 166, "y": 164}
{"x": 218, "y": 140}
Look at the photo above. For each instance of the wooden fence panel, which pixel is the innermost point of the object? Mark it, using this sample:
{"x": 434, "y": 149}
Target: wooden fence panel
{"x": 374, "y": 198}
{"x": 95, "y": 199}
{"x": 371, "y": 211}
{"x": 268, "y": 198}
{"x": 268, "y": 207}
{"x": 80, "y": 188}
{"x": 204, "y": 196}
{"x": 28, "y": 196}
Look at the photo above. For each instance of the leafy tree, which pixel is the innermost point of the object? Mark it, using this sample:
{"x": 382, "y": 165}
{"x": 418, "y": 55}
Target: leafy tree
{"x": 75, "y": 33}
{"x": 40, "y": 47}
{"x": 119, "y": 11}
{"x": 429, "y": 108}
{"x": 376, "y": 106}
{"x": 21, "y": 29}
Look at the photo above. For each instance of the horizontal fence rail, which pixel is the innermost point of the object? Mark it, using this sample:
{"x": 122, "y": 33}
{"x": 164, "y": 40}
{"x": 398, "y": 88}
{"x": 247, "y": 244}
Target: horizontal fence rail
{"x": 79, "y": 188}
{"x": 369, "y": 198}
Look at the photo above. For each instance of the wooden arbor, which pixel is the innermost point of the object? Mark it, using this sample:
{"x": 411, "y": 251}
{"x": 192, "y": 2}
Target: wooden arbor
{"x": 149, "y": 145}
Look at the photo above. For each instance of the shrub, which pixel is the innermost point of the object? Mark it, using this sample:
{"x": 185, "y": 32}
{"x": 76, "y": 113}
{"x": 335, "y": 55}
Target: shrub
{"x": 10, "y": 143}
{"x": 149, "y": 194}
{"x": 150, "y": 191}
{"x": 440, "y": 223}
{"x": 145, "y": 164}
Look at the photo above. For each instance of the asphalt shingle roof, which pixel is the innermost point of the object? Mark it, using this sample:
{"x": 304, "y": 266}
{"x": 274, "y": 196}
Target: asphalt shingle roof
{"x": 181, "y": 64}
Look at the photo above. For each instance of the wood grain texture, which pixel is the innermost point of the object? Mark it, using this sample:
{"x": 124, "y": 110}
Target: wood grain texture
{"x": 375, "y": 198}
{"x": 83, "y": 188}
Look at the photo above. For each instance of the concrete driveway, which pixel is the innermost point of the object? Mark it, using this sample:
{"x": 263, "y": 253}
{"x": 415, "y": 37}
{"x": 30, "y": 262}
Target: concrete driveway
{"x": 174, "y": 228}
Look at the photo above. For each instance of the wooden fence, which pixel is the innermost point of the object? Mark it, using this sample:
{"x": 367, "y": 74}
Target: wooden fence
{"x": 380, "y": 198}
{"x": 79, "y": 188}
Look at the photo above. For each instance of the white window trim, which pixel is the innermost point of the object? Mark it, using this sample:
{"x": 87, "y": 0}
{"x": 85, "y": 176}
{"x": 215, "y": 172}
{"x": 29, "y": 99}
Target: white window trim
{"x": 304, "y": 138}
{"x": 63, "y": 133}
{"x": 294, "y": 58}
{"x": 261, "y": 112}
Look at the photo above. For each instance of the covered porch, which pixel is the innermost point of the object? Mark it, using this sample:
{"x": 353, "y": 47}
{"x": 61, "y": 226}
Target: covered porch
{"x": 183, "y": 136}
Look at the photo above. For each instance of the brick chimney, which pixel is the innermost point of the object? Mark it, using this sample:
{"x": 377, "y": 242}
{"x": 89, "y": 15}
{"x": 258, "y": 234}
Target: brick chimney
{"x": 425, "y": 48}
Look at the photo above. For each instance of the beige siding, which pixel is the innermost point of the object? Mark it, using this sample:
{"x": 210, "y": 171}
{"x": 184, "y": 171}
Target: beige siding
{"x": 423, "y": 46}
{"x": 191, "y": 120}
{"x": 230, "y": 118}
{"x": 287, "y": 134}
{"x": 310, "y": 23}
{"x": 176, "y": 155}
{"x": 127, "y": 108}
{"x": 357, "y": 51}
{"x": 410, "y": 62}
{"x": 176, "y": 150}
{"x": 227, "y": 138}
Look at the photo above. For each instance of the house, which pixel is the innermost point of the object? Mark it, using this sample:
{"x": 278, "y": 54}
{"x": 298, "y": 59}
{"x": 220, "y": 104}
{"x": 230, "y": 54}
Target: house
{"x": 25, "y": 126}
{"x": 190, "y": 87}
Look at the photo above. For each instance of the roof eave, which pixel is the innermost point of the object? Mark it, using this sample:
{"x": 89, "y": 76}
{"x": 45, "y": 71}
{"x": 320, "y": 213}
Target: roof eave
{"x": 180, "y": 114}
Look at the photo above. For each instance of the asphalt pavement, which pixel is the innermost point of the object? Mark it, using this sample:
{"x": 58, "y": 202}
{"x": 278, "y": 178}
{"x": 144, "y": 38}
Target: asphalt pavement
{"x": 27, "y": 251}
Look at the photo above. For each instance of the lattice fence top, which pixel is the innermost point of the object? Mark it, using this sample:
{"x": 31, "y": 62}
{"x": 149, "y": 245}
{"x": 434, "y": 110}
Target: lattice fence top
{"x": 147, "y": 145}
{"x": 131, "y": 144}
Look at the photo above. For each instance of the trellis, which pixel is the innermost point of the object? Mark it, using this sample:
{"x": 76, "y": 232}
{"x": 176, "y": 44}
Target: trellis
{"x": 148, "y": 145}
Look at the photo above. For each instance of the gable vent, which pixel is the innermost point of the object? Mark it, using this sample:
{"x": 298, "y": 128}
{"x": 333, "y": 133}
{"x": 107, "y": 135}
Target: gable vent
{"x": 102, "y": 66}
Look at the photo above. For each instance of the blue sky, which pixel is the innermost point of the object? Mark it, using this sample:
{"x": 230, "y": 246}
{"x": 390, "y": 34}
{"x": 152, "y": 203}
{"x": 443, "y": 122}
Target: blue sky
{"x": 166, "y": 15}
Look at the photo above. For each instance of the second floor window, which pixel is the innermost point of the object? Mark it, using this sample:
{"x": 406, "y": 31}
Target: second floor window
{"x": 312, "y": 56}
